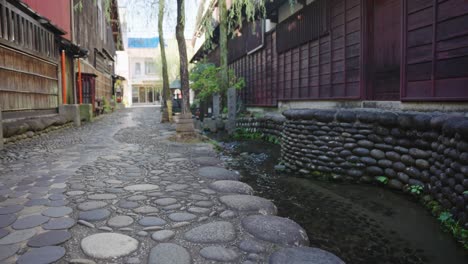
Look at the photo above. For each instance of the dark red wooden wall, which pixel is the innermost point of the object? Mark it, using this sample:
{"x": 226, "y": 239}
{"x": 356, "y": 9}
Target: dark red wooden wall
{"x": 57, "y": 11}
{"x": 436, "y": 50}
{"x": 326, "y": 68}
{"x": 430, "y": 57}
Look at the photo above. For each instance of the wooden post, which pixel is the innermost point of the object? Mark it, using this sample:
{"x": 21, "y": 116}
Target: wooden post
{"x": 80, "y": 83}
{"x": 64, "y": 81}
{"x": 1, "y": 130}
{"x": 232, "y": 110}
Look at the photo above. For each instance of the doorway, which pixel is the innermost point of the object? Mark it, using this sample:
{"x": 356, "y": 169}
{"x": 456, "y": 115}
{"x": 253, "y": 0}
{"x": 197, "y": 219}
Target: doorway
{"x": 384, "y": 42}
{"x": 150, "y": 95}
{"x": 142, "y": 95}
{"x": 88, "y": 84}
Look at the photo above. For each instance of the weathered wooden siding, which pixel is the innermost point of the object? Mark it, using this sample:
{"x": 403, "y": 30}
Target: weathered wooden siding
{"x": 325, "y": 68}
{"x": 383, "y": 50}
{"x": 27, "y": 82}
{"x": 259, "y": 72}
{"x": 435, "y": 41}
{"x": 28, "y": 62}
{"x": 103, "y": 82}
{"x": 89, "y": 32}
{"x": 88, "y": 35}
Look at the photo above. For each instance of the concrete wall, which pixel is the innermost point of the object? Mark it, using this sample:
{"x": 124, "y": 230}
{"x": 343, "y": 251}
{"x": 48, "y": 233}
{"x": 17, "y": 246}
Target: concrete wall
{"x": 86, "y": 112}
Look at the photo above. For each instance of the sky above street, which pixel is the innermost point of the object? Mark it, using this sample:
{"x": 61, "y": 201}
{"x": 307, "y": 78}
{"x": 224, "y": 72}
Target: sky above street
{"x": 142, "y": 17}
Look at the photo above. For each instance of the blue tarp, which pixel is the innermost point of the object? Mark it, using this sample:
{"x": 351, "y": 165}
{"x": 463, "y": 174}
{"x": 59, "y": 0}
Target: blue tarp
{"x": 143, "y": 42}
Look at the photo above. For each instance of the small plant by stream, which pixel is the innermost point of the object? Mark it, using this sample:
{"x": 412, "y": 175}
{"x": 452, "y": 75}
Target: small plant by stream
{"x": 447, "y": 221}
{"x": 242, "y": 133}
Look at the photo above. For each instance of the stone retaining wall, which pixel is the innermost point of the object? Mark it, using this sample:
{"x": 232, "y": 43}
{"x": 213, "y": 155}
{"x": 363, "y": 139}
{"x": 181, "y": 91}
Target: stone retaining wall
{"x": 269, "y": 125}
{"x": 32, "y": 133}
{"x": 430, "y": 150}
{"x": 18, "y": 127}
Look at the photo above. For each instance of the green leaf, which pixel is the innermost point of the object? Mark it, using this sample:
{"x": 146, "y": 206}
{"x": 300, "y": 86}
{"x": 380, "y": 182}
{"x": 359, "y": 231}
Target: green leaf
{"x": 445, "y": 216}
{"x": 382, "y": 179}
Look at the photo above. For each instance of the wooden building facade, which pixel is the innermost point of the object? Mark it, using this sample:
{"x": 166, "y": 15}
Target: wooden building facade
{"x": 98, "y": 30}
{"x": 387, "y": 50}
{"x": 33, "y": 34}
{"x": 28, "y": 60}
{"x": 92, "y": 27}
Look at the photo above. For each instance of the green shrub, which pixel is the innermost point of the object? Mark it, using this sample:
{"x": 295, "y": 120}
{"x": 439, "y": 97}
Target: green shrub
{"x": 106, "y": 105}
{"x": 206, "y": 80}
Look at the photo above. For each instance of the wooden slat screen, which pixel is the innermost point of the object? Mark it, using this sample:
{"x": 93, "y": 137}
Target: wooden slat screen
{"x": 251, "y": 38}
{"x": 323, "y": 69}
{"x": 255, "y": 32}
{"x": 20, "y": 31}
{"x": 28, "y": 62}
{"x": 259, "y": 72}
{"x": 308, "y": 24}
{"x": 236, "y": 46}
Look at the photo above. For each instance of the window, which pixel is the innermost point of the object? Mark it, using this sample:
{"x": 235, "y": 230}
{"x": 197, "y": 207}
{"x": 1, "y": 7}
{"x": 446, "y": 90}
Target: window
{"x": 137, "y": 68}
{"x": 150, "y": 67}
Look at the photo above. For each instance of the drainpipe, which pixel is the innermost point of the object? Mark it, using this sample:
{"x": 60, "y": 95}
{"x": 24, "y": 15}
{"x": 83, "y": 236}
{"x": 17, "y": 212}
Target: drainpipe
{"x": 73, "y": 81}
{"x": 80, "y": 84}
{"x": 64, "y": 81}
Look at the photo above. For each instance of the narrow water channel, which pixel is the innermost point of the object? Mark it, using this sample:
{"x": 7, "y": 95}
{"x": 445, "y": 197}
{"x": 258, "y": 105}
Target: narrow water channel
{"x": 359, "y": 223}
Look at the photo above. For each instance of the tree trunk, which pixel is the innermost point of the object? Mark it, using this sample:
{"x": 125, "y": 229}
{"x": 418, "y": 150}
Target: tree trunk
{"x": 167, "y": 99}
{"x": 223, "y": 43}
{"x": 184, "y": 76}
{"x": 185, "y": 124}
{"x": 230, "y": 93}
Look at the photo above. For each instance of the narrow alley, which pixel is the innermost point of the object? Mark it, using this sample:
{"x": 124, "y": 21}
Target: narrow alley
{"x": 117, "y": 190}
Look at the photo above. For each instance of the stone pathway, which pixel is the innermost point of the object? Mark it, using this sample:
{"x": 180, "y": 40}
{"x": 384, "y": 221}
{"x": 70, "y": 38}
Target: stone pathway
{"x": 117, "y": 191}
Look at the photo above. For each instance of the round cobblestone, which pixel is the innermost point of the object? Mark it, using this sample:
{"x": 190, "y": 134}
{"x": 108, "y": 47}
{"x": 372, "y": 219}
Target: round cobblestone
{"x": 108, "y": 245}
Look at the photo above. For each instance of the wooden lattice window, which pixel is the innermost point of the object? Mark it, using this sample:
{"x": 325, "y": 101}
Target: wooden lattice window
{"x": 308, "y": 24}
{"x": 249, "y": 39}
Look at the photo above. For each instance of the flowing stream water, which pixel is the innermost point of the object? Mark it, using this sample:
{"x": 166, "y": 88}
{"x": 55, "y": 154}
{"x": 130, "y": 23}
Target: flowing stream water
{"x": 359, "y": 223}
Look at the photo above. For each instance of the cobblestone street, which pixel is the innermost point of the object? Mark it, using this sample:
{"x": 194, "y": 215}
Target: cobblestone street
{"x": 117, "y": 191}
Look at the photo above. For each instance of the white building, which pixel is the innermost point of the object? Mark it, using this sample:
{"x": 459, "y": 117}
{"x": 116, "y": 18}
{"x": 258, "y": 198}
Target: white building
{"x": 144, "y": 70}
{"x": 140, "y": 62}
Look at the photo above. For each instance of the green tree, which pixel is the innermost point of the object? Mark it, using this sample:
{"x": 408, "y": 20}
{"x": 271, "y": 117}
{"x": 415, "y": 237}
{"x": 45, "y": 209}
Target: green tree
{"x": 207, "y": 80}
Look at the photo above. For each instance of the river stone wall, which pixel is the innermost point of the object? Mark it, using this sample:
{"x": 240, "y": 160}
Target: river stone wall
{"x": 426, "y": 149}
{"x": 27, "y": 128}
{"x": 269, "y": 125}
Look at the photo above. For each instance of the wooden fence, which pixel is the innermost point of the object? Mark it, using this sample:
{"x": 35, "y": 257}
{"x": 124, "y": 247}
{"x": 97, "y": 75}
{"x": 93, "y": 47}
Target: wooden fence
{"x": 28, "y": 62}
